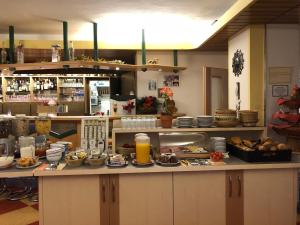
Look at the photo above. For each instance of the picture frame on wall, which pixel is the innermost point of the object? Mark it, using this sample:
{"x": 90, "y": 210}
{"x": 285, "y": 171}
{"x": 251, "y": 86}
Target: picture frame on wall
{"x": 151, "y": 85}
{"x": 280, "y": 90}
{"x": 159, "y": 95}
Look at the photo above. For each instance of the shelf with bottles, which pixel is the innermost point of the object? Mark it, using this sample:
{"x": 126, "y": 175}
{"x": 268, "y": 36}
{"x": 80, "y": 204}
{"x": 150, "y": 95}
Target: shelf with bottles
{"x": 16, "y": 89}
{"x": 71, "y": 89}
{"x": 44, "y": 89}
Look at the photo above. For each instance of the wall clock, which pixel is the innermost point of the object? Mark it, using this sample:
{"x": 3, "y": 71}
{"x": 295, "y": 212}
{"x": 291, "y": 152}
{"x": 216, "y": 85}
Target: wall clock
{"x": 238, "y": 63}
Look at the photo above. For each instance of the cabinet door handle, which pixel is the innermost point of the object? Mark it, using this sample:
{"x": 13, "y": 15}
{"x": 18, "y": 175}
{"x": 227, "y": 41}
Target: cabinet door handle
{"x": 113, "y": 191}
{"x": 230, "y": 186}
{"x": 103, "y": 192}
{"x": 240, "y": 186}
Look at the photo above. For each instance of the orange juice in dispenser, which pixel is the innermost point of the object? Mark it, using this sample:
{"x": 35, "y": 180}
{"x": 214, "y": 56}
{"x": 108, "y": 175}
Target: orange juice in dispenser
{"x": 142, "y": 142}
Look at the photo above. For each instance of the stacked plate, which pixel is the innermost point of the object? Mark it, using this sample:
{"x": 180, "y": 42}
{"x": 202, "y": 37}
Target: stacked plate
{"x": 185, "y": 121}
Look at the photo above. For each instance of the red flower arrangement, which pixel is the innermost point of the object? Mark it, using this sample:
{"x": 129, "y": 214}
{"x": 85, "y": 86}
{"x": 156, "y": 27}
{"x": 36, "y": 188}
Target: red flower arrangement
{"x": 129, "y": 106}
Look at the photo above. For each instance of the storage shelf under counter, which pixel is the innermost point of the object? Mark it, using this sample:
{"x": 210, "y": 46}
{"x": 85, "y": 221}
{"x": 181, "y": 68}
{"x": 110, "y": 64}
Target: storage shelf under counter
{"x": 119, "y": 135}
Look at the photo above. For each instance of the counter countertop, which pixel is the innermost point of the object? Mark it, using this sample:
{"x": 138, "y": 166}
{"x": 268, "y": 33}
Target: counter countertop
{"x": 232, "y": 164}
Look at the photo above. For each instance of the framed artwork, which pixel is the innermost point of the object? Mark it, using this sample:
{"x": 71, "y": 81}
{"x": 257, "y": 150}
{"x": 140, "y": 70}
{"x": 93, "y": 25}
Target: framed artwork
{"x": 171, "y": 80}
{"x": 280, "y": 90}
{"x": 151, "y": 85}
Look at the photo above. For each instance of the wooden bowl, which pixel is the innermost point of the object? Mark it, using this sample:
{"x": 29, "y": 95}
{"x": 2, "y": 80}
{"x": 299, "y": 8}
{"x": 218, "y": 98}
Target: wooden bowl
{"x": 96, "y": 162}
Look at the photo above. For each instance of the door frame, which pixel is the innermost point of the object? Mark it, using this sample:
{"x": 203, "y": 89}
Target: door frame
{"x": 207, "y": 75}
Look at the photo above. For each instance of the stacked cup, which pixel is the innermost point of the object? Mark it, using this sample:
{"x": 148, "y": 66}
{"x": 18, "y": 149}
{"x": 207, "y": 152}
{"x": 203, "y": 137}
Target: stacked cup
{"x": 218, "y": 144}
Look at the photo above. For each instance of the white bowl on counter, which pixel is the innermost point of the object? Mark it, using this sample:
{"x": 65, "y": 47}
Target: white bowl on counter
{"x": 54, "y": 154}
{"x": 6, "y": 161}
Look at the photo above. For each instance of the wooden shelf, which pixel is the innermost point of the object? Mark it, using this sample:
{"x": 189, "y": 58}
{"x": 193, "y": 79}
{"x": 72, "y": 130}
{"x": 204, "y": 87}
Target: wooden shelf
{"x": 212, "y": 129}
{"x": 88, "y": 64}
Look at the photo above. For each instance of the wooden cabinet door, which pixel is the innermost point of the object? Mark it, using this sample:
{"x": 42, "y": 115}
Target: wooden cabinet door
{"x": 234, "y": 198}
{"x": 199, "y": 198}
{"x": 270, "y": 197}
{"x": 69, "y": 200}
{"x": 146, "y": 199}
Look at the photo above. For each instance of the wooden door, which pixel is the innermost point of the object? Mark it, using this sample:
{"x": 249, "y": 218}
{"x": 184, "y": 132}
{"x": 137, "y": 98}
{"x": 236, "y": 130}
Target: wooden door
{"x": 270, "y": 197}
{"x": 199, "y": 198}
{"x": 146, "y": 199}
{"x": 215, "y": 89}
{"x": 69, "y": 200}
{"x": 234, "y": 198}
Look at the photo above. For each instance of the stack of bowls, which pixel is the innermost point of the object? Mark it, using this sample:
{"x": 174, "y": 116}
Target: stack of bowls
{"x": 185, "y": 121}
{"x": 218, "y": 144}
{"x": 248, "y": 118}
{"x": 54, "y": 154}
{"x": 226, "y": 118}
{"x": 205, "y": 121}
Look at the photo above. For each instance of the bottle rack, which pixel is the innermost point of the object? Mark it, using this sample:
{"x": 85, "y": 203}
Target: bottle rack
{"x": 44, "y": 89}
{"x": 16, "y": 89}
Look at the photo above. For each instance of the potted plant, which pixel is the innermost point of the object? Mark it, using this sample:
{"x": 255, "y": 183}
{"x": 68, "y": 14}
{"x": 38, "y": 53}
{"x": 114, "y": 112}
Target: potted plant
{"x": 168, "y": 107}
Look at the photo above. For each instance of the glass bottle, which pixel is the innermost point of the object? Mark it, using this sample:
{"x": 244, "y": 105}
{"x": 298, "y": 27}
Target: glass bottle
{"x": 20, "y": 53}
{"x": 3, "y": 55}
{"x": 71, "y": 51}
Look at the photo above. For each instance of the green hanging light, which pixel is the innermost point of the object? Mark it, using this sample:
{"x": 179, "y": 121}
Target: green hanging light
{"x": 11, "y": 44}
{"x": 65, "y": 37}
{"x": 95, "y": 53}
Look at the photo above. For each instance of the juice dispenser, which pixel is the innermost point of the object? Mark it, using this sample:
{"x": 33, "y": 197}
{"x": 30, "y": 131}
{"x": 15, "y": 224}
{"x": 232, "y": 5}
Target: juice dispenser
{"x": 142, "y": 142}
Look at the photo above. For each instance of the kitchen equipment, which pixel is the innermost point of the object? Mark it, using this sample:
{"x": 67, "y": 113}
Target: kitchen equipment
{"x": 185, "y": 144}
{"x": 142, "y": 143}
{"x": 20, "y": 126}
{"x": 205, "y": 121}
{"x": 185, "y": 121}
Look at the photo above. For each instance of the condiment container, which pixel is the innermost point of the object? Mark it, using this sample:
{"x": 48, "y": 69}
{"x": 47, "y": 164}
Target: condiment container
{"x": 43, "y": 125}
{"x": 142, "y": 142}
{"x": 20, "y": 126}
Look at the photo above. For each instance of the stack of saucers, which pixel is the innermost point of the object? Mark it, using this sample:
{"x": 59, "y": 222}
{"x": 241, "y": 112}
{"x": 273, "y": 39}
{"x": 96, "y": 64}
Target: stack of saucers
{"x": 185, "y": 121}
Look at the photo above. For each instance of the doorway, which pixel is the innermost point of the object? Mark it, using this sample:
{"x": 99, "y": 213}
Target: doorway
{"x": 215, "y": 89}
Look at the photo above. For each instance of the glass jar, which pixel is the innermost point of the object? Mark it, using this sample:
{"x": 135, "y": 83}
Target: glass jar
{"x": 5, "y": 128}
{"x": 43, "y": 125}
{"x": 20, "y": 126}
{"x": 142, "y": 143}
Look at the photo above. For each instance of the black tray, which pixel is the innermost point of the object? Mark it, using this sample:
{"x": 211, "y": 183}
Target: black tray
{"x": 260, "y": 156}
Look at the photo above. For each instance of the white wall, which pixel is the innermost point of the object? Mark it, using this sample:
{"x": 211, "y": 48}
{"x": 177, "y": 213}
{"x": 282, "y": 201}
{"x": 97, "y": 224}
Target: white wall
{"x": 189, "y": 95}
{"x": 240, "y": 41}
{"x": 282, "y": 50}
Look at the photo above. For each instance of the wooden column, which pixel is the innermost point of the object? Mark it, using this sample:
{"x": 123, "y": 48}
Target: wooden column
{"x": 65, "y": 34}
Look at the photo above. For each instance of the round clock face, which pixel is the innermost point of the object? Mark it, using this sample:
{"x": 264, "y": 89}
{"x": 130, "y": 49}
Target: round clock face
{"x": 238, "y": 63}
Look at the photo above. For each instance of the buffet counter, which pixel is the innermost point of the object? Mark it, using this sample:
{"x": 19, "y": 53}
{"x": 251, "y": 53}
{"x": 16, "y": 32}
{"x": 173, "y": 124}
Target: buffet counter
{"x": 230, "y": 164}
{"x": 242, "y": 193}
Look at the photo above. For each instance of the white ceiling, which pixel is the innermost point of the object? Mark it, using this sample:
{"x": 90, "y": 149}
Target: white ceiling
{"x": 43, "y": 17}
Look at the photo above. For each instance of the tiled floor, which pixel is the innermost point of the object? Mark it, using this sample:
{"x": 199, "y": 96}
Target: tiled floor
{"x": 21, "y": 212}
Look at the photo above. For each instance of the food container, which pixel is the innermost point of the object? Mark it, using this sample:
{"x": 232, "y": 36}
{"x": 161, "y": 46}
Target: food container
{"x": 5, "y": 127}
{"x": 142, "y": 143}
{"x": 43, "y": 125}
{"x": 20, "y": 126}
{"x": 260, "y": 156}
{"x": 96, "y": 161}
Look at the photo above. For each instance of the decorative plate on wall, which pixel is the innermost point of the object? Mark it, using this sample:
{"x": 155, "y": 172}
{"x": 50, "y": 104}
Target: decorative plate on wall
{"x": 238, "y": 63}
